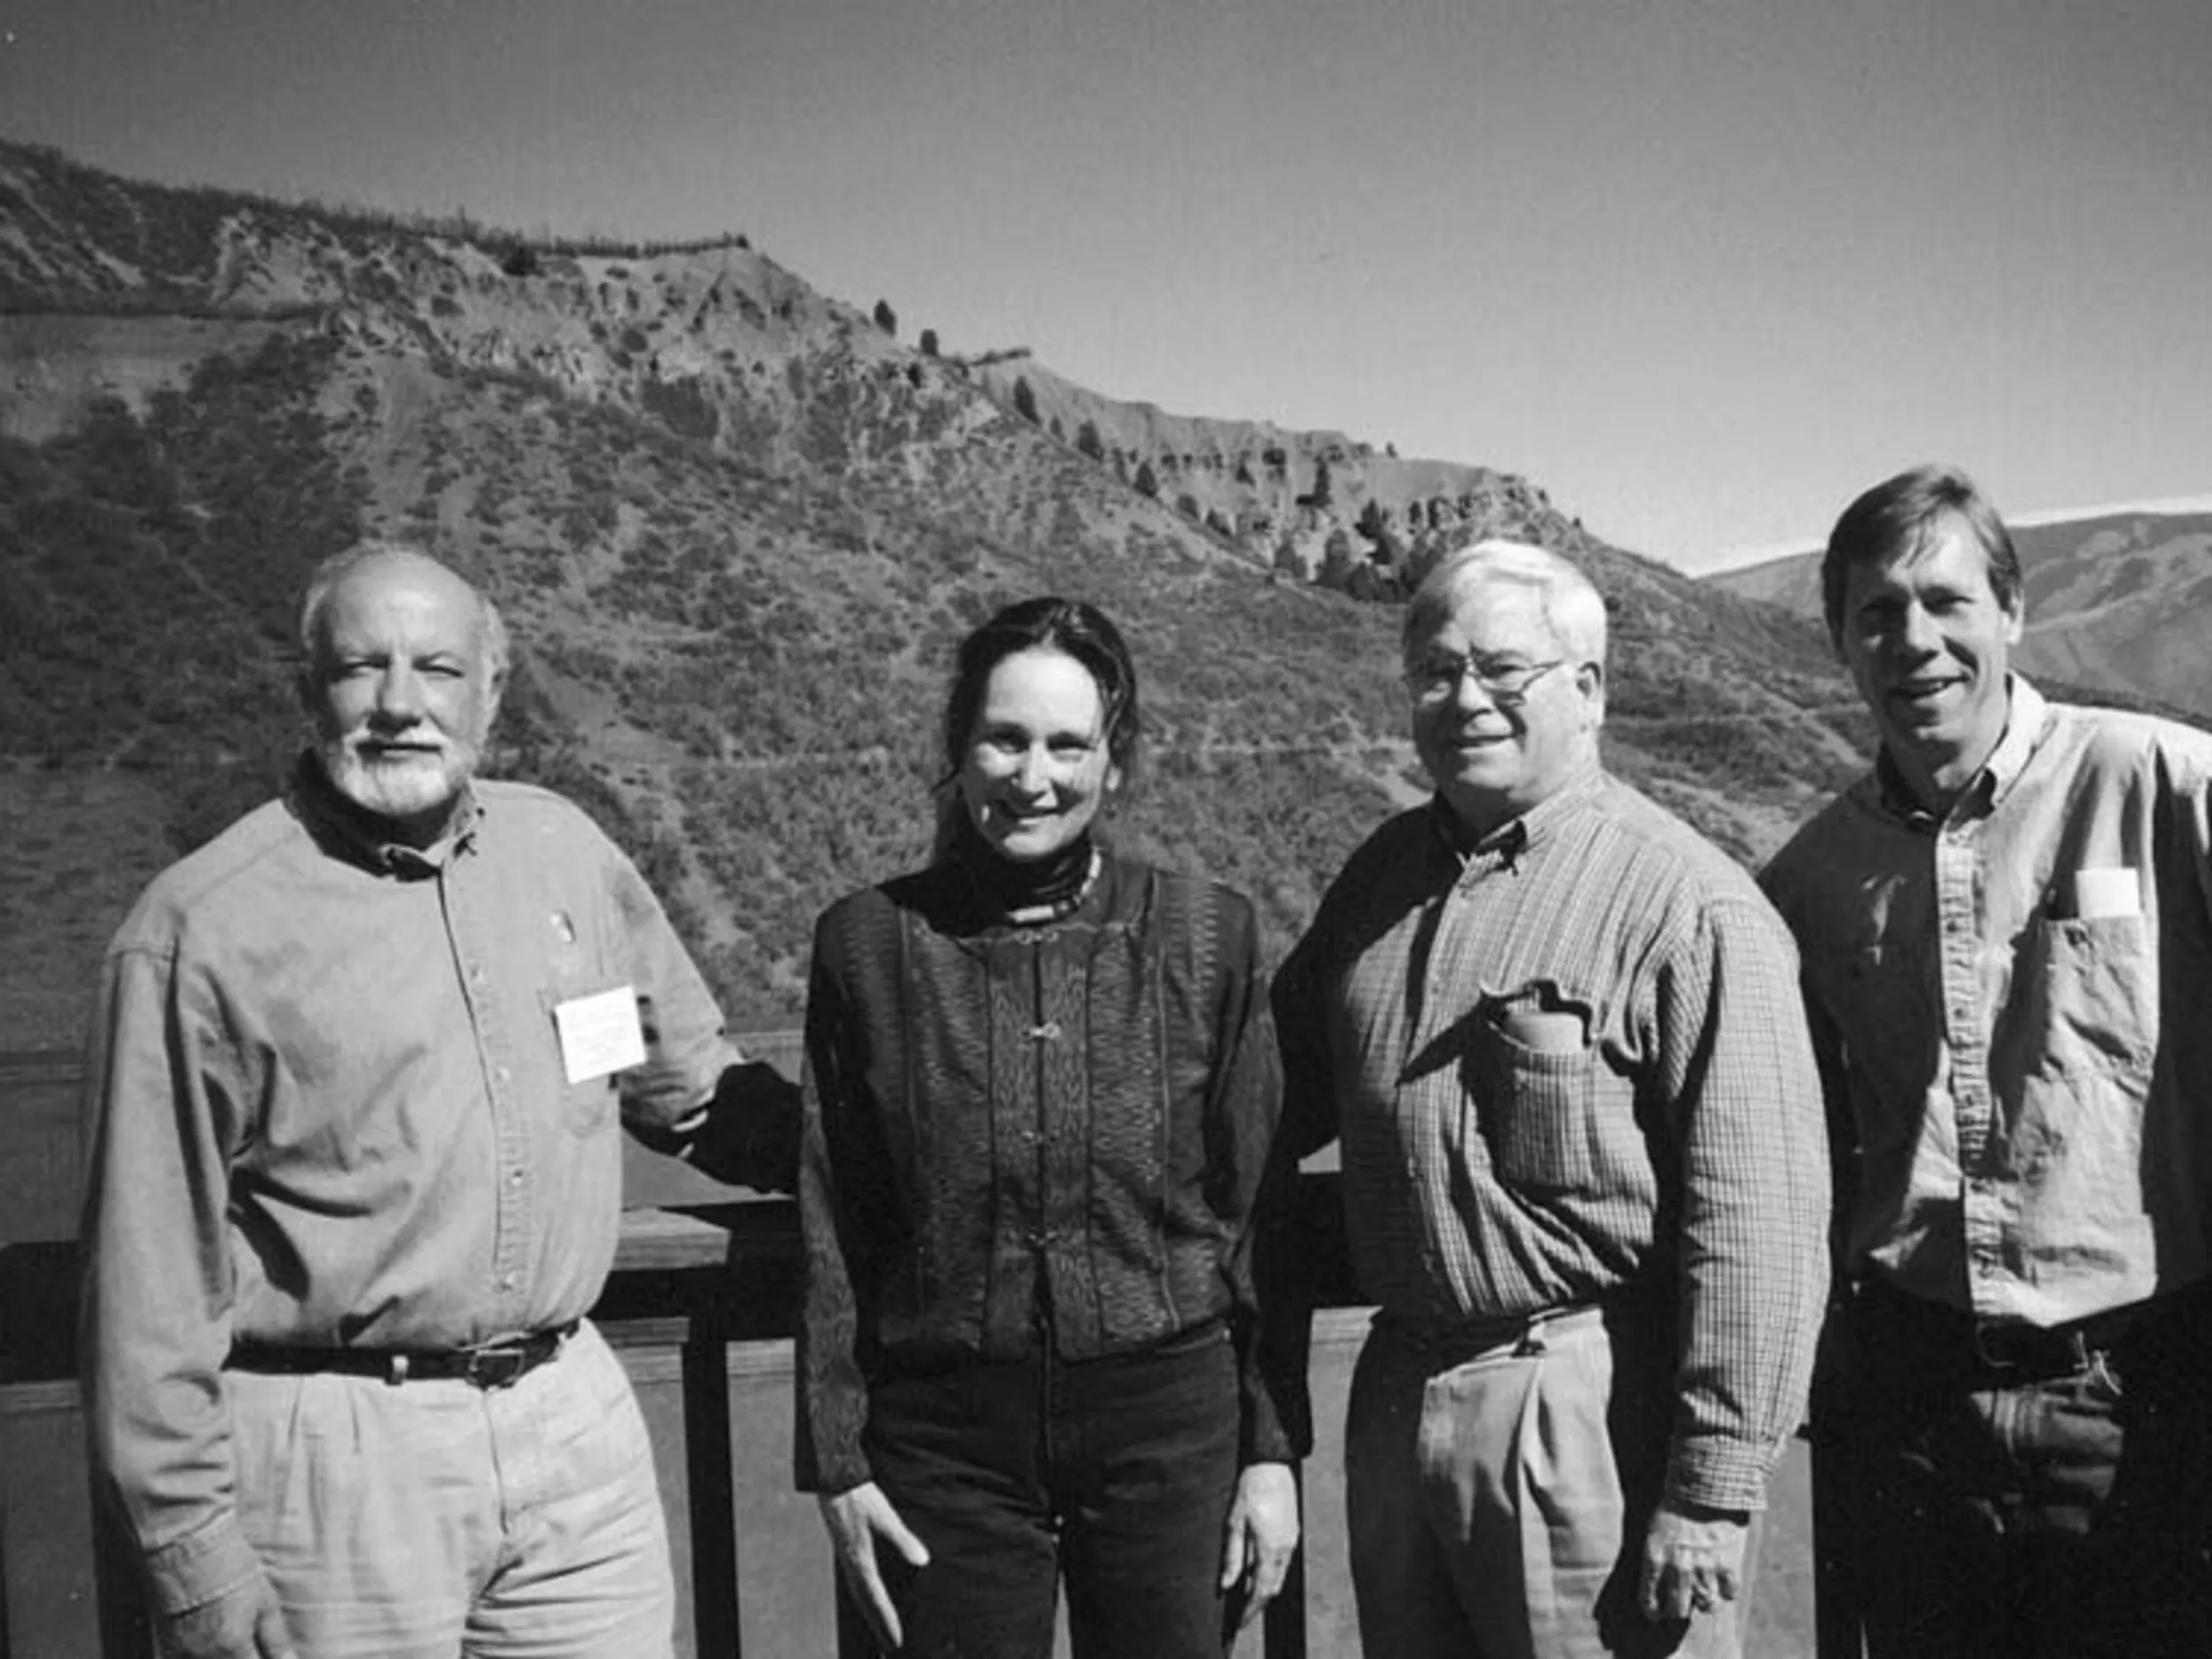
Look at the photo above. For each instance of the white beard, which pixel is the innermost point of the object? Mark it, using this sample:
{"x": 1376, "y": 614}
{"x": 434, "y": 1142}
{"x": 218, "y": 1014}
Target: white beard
{"x": 412, "y": 787}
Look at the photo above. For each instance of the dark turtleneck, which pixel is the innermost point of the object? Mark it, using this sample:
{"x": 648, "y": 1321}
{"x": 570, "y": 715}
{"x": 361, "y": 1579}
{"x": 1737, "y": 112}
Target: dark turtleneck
{"x": 1028, "y": 891}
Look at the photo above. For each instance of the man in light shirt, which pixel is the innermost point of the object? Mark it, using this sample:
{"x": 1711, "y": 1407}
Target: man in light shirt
{"x": 2006, "y": 937}
{"x": 355, "y": 1181}
{"x": 1583, "y": 1169}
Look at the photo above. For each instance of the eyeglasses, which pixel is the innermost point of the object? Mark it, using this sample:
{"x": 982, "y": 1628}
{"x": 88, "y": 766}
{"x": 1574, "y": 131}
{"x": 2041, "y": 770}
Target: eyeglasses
{"x": 1434, "y": 679}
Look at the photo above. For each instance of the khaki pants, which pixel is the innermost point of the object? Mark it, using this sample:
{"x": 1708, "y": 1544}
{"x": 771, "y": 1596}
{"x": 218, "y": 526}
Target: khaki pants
{"x": 1497, "y": 1501}
{"x": 430, "y": 1520}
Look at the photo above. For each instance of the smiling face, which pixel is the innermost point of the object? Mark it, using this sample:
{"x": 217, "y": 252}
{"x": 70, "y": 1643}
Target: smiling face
{"x": 401, "y": 691}
{"x": 1930, "y": 643}
{"x": 1492, "y": 761}
{"x": 1035, "y": 769}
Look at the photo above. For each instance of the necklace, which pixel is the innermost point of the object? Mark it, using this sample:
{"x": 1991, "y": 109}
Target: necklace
{"x": 1066, "y": 904}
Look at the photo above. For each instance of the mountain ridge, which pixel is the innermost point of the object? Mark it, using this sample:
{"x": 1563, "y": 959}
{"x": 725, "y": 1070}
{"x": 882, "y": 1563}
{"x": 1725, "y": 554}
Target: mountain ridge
{"x": 737, "y": 527}
{"x": 2119, "y": 600}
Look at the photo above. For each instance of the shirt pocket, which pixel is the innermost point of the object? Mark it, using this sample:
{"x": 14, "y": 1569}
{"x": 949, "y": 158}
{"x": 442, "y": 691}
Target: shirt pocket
{"x": 588, "y": 1107}
{"x": 1535, "y": 1109}
{"x": 2088, "y": 996}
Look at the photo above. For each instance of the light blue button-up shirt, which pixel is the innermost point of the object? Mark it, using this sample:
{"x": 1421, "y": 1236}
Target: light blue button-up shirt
{"x": 2012, "y": 1003}
{"x": 328, "y": 1103}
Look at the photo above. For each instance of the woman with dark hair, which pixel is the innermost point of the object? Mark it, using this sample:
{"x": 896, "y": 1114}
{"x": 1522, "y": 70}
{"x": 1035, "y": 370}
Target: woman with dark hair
{"x": 1041, "y": 1098}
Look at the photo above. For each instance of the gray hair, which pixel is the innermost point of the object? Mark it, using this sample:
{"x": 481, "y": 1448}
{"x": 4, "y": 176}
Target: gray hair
{"x": 1573, "y": 609}
{"x": 328, "y": 576}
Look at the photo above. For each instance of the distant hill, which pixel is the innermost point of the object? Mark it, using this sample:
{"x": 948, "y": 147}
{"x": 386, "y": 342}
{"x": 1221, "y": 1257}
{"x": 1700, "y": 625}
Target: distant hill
{"x": 737, "y": 526}
{"x": 2118, "y": 599}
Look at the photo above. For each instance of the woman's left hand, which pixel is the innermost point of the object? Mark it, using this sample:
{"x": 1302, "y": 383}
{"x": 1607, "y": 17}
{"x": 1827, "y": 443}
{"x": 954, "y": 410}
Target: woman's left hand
{"x": 1262, "y": 1535}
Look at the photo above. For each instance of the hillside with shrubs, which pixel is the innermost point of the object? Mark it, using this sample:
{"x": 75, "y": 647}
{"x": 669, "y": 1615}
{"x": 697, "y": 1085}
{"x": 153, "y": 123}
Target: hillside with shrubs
{"x": 2118, "y": 602}
{"x": 737, "y": 527}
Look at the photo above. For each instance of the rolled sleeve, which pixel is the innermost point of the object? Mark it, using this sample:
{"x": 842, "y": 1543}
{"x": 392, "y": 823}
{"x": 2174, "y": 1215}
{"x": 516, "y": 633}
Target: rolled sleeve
{"x": 686, "y": 1048}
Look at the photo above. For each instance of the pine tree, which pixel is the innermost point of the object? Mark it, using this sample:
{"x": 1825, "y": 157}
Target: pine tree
{"x": 1337, "y": 562}
{"x": 1024, "y": 400}
{"x": 886, "y": 319}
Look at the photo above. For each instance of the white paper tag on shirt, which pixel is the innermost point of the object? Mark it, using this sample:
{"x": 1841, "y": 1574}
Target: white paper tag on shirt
{"x": 2106, "y": 892}
{"x": 600, "y": 1033}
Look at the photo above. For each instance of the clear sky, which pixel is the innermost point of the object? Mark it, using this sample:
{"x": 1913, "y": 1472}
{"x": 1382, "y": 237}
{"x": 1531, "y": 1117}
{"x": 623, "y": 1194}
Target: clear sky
{"x": 1702, "y": 268}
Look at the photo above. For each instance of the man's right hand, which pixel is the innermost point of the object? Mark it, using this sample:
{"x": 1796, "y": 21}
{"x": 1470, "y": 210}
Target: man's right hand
{"x": 859, "y": 1520}
{"x": 246, "y": 1623}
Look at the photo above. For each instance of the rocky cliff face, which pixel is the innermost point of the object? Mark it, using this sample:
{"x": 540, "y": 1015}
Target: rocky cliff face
{"x": 737, "y": 528}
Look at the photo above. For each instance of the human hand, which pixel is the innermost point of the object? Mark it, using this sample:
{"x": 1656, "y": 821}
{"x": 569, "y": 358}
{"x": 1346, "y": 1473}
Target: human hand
{"x": 1692, "y": 1559}
{"x": 1261, "y": 1535}
{"x": 245, "y": 1624}
{"x": 859, "y": 1520}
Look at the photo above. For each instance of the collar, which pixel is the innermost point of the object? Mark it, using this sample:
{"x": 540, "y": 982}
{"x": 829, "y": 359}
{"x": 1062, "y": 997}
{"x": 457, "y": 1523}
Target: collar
{"x": 1506, "y": 845}
{"x": 347, "y": 830}
{"x": 2028, "y": 716}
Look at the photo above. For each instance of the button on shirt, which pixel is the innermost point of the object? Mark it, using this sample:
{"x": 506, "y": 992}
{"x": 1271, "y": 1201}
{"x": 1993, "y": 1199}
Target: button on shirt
{"x": 328, "y": 1105}
{"x": 2011, "y": 1001}
{"x": 1564, "y": 1065}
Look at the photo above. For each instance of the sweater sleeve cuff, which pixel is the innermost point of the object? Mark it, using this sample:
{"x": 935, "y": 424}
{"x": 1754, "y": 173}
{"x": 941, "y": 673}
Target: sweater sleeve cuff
{"x": 203, "y": 1566}
{"x": 827, "y": 1474}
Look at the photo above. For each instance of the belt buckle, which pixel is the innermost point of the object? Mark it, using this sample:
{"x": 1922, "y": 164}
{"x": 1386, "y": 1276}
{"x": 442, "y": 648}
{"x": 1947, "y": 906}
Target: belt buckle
{"x": 2032, "y": 1352}
{"x": 1992, "y": 1359}
{"x": 497, "y": 1366}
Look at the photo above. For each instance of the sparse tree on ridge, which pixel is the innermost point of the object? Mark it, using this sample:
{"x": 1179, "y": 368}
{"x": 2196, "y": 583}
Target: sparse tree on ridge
{"x": 886, "y": 319}
{"x": 1024, "y": 400}
{"x": 1148, "y": 480}
{"x": 929, "y": 342}
{"x": 1337, "y": 562}
{"x": 1087, "y": 441}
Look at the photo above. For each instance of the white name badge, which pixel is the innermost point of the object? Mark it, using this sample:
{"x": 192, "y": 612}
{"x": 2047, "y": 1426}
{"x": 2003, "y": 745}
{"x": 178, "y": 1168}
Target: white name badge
{"x": 600, "y": 1033}
{"x": 2106, "y": 892}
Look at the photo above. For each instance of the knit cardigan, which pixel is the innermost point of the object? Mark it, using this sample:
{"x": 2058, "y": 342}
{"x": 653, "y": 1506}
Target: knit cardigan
{"x": 1022, "y": 1134}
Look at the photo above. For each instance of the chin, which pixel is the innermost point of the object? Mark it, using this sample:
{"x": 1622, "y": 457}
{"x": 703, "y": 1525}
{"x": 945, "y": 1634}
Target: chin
{"x": 411, "y": 789}
{"x": 1027, "y": 849}
{"x": 1478, "y": 778}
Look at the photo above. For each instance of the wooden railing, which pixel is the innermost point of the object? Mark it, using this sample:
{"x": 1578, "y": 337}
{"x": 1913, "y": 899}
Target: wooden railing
{"x": 701, "y": 1302}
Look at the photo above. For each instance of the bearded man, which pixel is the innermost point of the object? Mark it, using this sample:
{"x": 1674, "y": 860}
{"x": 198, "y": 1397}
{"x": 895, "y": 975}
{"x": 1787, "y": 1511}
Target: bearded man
{"x": 354, "y": 1183}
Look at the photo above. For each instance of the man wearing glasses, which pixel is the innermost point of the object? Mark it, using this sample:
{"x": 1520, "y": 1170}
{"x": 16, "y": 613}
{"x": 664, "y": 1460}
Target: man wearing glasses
{"x": 1584, "y": 1165}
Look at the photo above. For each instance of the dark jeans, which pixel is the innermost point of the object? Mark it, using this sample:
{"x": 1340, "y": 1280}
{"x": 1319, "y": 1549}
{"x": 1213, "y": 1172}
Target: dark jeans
{"x": 2048, "y": 1507}
{"x": 1115, "y": 1472}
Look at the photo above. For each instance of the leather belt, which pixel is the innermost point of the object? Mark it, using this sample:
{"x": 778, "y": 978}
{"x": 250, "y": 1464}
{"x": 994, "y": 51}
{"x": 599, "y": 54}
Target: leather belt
{"x": 1467, "y": 1339}
{"x": 492, "y": 1364}
{"x": 2011, "y": 1350}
